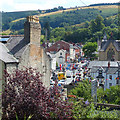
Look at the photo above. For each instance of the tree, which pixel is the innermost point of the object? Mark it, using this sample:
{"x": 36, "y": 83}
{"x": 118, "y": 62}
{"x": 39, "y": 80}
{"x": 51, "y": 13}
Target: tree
{"x": 99, "y": 23}
{"x": 83, "y": 89}
{"x": 58, "y": 33}
{"x": 25, "y": 95}
{"x": 111, "y": 95}
{"x": 93, "y": 26}
{"x": 89, "y": 49}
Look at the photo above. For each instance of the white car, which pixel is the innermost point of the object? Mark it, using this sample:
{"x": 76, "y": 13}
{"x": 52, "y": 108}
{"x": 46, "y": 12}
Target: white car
{"x": 52, "y": 82}
{"x": 61, "y": 82}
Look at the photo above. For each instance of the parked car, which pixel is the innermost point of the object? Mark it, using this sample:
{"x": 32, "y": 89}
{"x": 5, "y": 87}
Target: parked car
{"x": 82, "y": 61}
{"x": 61, "y": 82}
{"x": 52, "y": 82}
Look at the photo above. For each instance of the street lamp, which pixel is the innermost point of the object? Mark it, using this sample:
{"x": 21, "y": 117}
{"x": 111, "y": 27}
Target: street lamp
{"x": 100, "y": 77}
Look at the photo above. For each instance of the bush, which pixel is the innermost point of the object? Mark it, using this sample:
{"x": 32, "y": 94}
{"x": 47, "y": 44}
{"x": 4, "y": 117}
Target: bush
{"x": 25, "y": 94}
{"x": 83, "y": 90}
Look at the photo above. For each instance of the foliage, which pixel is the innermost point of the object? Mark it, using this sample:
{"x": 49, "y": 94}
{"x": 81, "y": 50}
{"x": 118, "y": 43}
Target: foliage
{"x": 111, "y": 95}
{"x": 83, "y": 111}
{"x": 83, "y": 89}
{"x": 65, "y": 19}
{"x": 24, "y": 117}
{"x": 97, "y": 24}
{"x": 25, "y": 94}
{"x": 58, "y": 33}
{"x": 80, "y": 110}
{"x": 89, "y": 49}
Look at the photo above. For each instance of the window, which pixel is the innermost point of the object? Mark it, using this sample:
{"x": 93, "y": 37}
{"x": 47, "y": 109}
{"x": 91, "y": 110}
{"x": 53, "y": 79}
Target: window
{"x": 110, "y": 77}
{"x": 118, "y": 82}
{"x": 60, "y": 53}
{"x": 68, "y": 76}
{"x": 110, "y": 84}
{"x": 110, "y": 54}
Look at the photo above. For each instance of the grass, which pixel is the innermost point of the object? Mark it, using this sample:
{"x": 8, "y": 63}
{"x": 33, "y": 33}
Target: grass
{"x": 105, "y": 10}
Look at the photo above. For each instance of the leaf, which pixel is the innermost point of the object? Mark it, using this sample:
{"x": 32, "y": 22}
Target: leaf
{"x": 29, "y": 117}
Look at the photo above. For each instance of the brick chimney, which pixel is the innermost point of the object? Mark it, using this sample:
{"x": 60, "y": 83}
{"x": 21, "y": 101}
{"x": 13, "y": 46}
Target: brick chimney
{"x": 32, "y": 30}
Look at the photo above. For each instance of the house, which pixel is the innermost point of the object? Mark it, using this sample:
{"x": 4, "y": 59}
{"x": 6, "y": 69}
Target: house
{"x": 27, "y": 50}
{"x": 109, "y": 72}
{"x": 8, "y": 62}
{"x": 68, "y": 51}
{"x": 52, "y": 61}
{"x": 109, "y": 50}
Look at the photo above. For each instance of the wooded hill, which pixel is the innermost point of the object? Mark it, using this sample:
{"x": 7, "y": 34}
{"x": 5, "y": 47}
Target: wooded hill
{"x": 69, "y": 19}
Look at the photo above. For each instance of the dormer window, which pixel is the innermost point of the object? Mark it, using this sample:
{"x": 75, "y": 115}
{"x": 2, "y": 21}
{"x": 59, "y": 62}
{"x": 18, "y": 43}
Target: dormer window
{"x": 60, "y": 53}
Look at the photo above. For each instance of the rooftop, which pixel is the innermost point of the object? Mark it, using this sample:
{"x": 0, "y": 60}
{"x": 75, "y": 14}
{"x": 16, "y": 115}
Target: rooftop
{"x": 5, "y": 56}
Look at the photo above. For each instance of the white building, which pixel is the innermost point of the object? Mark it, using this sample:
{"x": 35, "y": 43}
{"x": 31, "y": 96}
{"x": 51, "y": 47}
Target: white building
{"x": 60, "y": 56}
{"x": 109, "y": 72}
{"x": 52, "y": 61}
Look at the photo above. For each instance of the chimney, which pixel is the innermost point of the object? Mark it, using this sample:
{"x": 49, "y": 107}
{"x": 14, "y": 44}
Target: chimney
{"x": 108, "y": 64}
{"x": 32, "y": 30}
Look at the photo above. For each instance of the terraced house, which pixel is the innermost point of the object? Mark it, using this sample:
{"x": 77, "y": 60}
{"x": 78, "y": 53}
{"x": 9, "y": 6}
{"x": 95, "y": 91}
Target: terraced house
{"x": 26, "y": 51}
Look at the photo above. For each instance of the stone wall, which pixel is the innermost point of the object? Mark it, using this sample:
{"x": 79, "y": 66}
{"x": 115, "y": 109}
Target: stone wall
{"x": 2, "y": 68}
{"x": 103, "y": 54}
{"x": 10, "y": 67}
{"x": 34, "y": 55}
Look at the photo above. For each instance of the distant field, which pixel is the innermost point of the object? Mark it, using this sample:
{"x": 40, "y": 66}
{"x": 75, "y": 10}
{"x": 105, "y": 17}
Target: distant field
{"x": 105, "y": 9}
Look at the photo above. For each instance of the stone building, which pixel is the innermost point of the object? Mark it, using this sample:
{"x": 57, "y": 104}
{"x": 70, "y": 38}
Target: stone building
{"x": 27, "y": 49}
{"x": 109, "y": 50}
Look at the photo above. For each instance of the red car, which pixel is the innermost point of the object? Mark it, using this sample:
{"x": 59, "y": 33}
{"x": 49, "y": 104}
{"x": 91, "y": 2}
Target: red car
{"x": 82, "y": 61}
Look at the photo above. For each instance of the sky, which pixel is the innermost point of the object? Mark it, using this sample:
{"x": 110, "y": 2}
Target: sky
{"x": 23, "y": 5}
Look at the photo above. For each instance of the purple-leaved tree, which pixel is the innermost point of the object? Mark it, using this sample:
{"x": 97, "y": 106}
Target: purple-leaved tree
{"x": 25, "y": 94}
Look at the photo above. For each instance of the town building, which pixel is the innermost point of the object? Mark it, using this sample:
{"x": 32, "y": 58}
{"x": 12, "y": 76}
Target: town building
{"x": 109, "y": 50}
{"x": 27, "y": 51}
{"x": 108, "y": 62}
{"x": 109, "y": 73}
{"x": 64, "y": 51}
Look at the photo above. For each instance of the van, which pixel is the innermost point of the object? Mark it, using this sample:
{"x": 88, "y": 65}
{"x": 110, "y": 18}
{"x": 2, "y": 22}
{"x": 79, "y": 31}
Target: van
{"x": 61, "y": 75}
{"x": 69, "y": 77}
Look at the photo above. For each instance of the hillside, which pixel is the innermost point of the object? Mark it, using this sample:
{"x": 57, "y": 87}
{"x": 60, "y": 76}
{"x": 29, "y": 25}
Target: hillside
{"x": 13, "y": 21}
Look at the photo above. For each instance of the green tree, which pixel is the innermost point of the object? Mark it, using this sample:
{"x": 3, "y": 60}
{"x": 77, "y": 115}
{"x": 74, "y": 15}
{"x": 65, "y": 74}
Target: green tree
{"x": 93, "y": 26}
{"x": 111, "y": 95}
{"x": 99, "y": 23}
{"x": 83, "y": 89}
{"x": 89, "y": 49}
{"x": 58, "y": 33}
{"x": 97, "y": 36}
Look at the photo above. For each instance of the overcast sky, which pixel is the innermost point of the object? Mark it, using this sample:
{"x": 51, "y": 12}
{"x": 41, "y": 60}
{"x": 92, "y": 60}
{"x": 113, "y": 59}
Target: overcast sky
{"x": 22, "y": 5}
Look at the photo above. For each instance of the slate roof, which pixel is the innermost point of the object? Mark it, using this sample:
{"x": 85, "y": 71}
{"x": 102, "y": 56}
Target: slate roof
{"x": 105, "y": 44}
{"x": 102, "y": 64}
{"x": 59, "y": 45}
{"x": 16, "y": 46}
{"x": 5, "y": 56}
{"x": 111, "y": 70}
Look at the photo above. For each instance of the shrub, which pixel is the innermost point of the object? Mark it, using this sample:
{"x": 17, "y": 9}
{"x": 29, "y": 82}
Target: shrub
{"x": 25, "y": 94}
